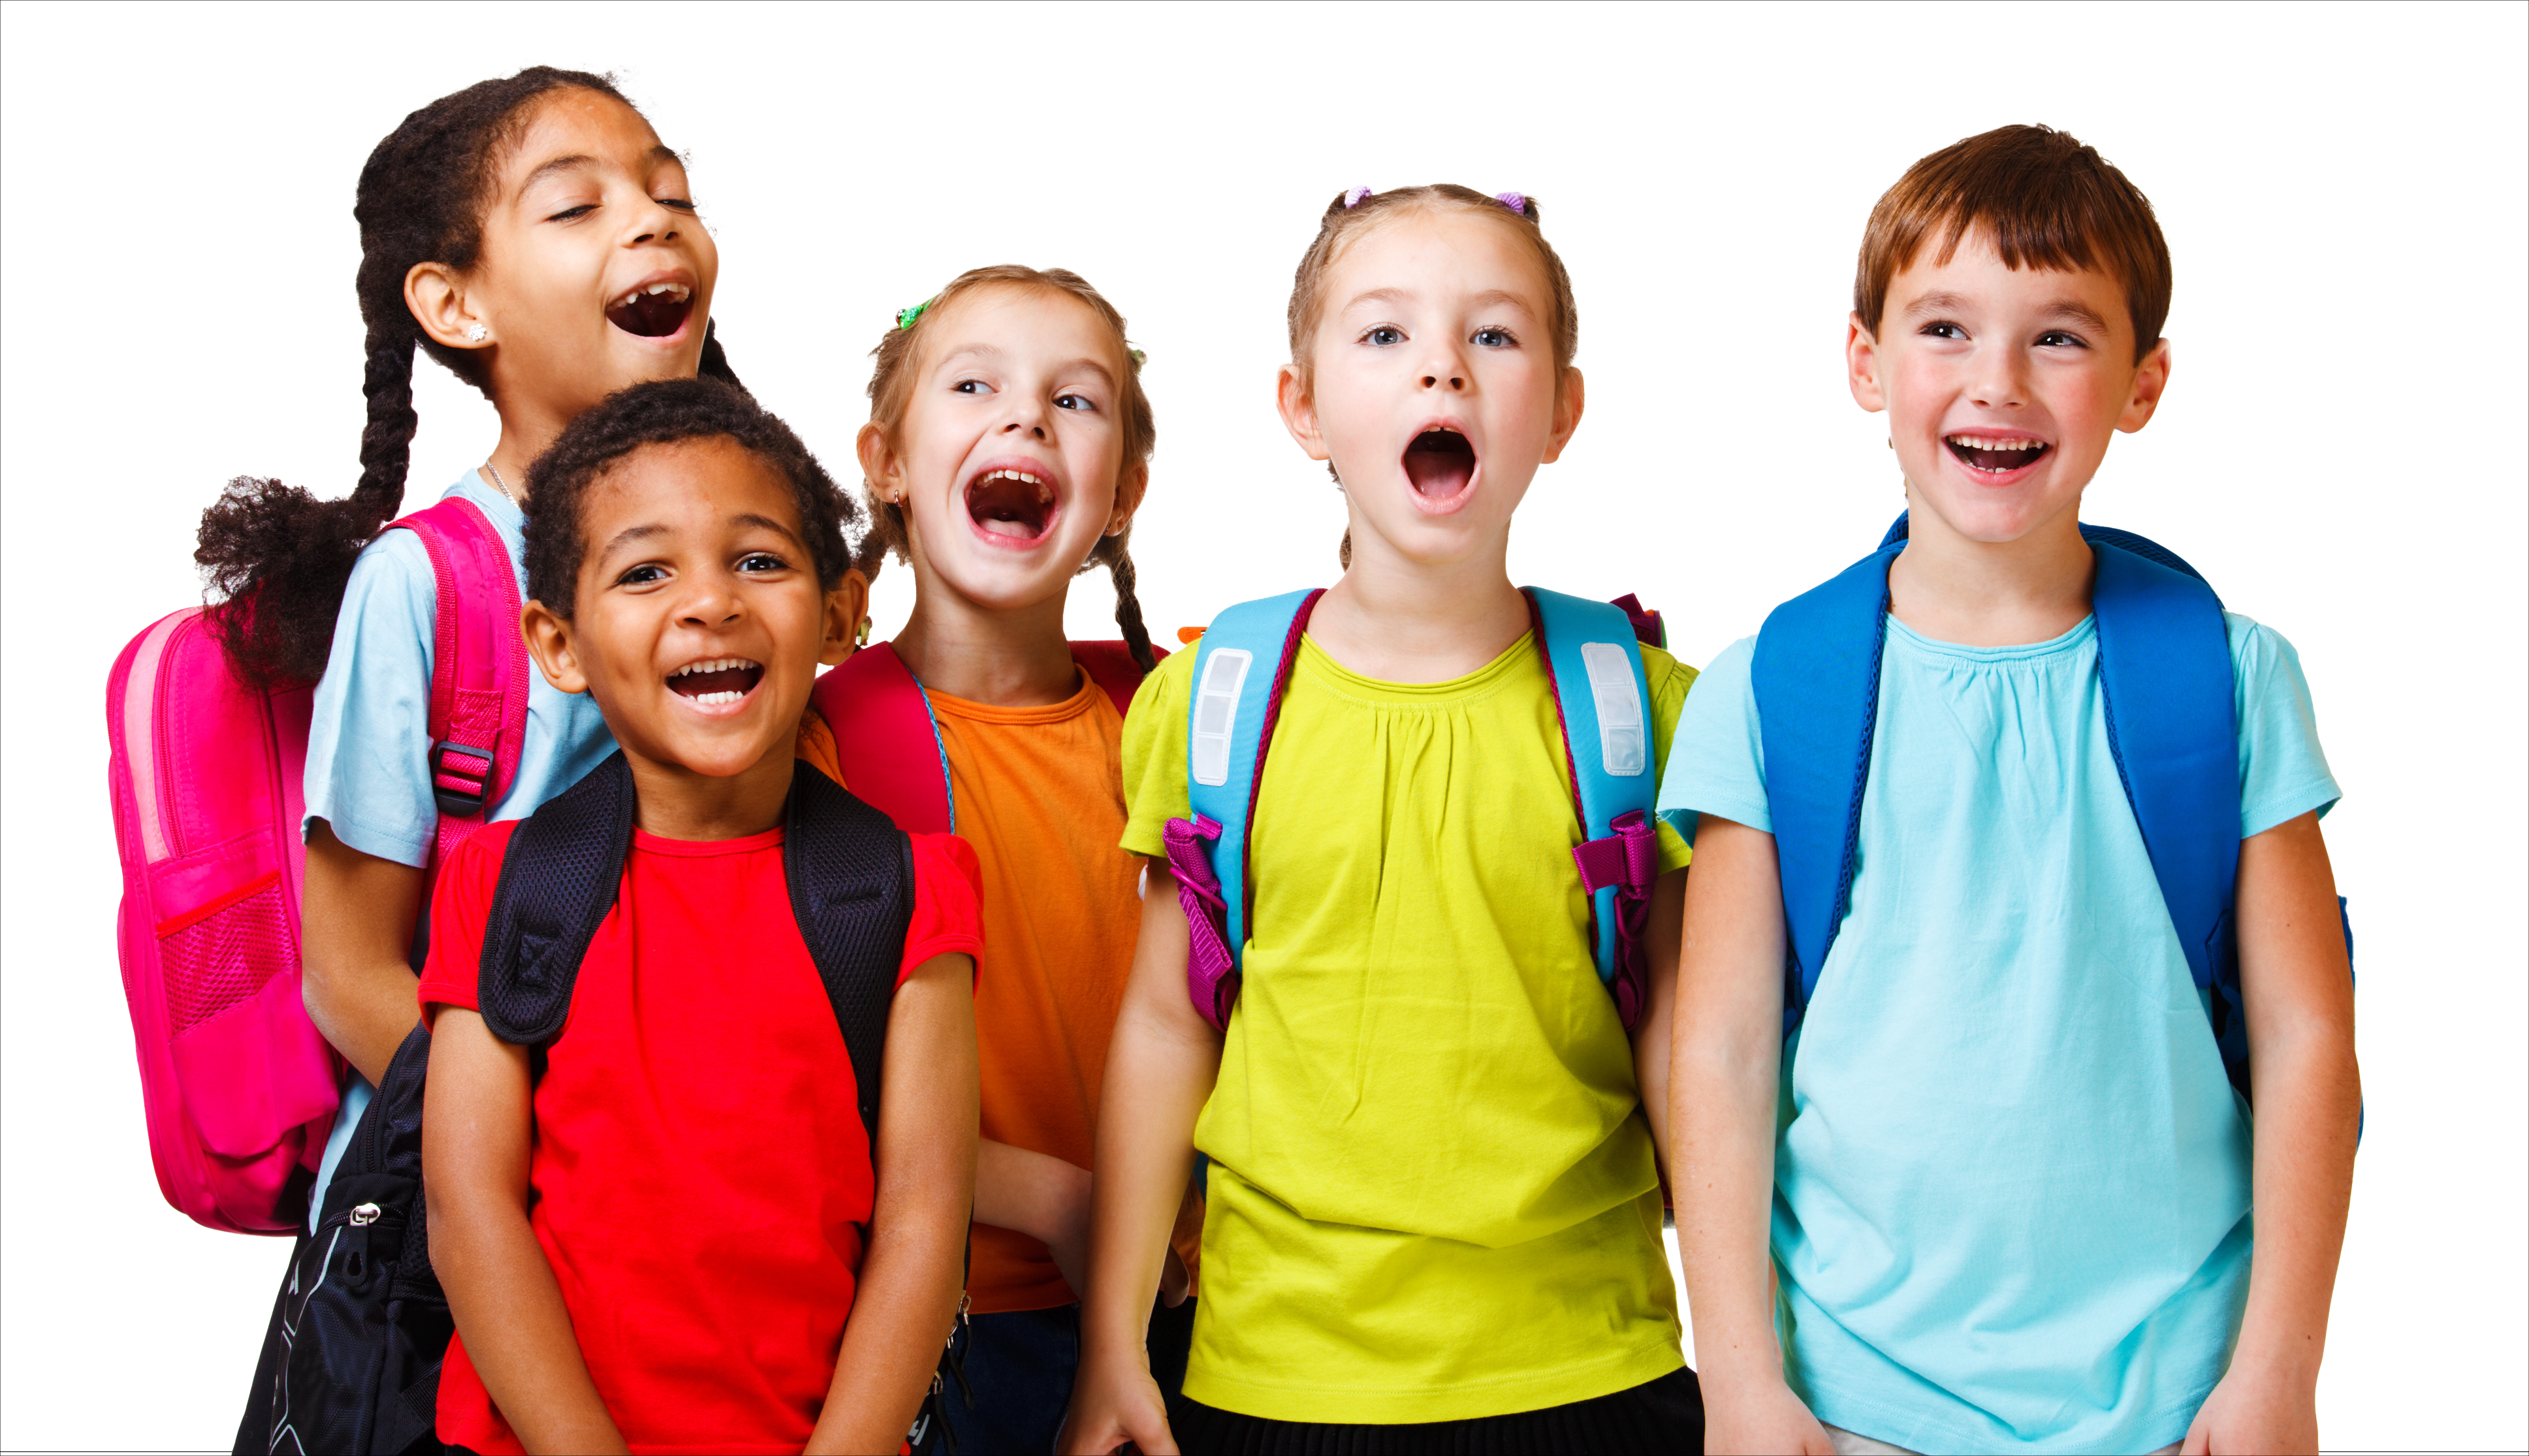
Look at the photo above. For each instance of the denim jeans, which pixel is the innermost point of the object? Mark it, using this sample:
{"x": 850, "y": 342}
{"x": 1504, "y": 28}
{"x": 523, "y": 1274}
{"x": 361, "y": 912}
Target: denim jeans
{"x": 1019, "y": 1366}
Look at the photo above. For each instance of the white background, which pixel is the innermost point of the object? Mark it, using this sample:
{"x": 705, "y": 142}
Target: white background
{"x": 2341, "y": 450}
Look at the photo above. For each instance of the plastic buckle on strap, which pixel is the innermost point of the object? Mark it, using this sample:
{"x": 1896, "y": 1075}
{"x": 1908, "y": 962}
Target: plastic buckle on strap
{"x": 1627, "y": 860}
{"x": 1212, "y": 975}
{"x": 458, "y": 788}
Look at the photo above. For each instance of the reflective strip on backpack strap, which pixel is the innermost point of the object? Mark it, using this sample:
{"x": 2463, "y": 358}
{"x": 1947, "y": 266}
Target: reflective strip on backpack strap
{"x": 1229, "y": 728}
{"x": 1594, "y": 664}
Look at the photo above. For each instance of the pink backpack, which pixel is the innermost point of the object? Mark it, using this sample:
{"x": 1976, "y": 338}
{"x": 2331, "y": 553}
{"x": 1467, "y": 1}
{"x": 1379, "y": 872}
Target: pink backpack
{"x": 240, "y": 1088}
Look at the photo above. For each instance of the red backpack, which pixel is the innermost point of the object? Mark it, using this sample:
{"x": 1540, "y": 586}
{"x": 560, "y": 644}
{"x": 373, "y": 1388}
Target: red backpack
{"x": 238, "y": 1086}
{"x": 888, "y": 743}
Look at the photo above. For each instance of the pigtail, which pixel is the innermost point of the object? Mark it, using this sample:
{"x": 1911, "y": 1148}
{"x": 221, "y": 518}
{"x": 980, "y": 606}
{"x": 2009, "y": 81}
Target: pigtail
{"x": 715, "y": 361}
{"x": 1129, "y": 609}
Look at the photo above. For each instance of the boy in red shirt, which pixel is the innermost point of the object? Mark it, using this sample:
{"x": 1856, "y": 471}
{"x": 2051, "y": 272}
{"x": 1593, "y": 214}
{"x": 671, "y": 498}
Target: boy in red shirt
{"x": 663, "y": 1227}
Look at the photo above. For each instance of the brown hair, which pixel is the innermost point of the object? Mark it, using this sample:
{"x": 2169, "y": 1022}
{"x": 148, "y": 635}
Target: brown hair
{"x": 890, "y": 386}
{"x": 1340, "y": 226}
{"x": 2046, "y": 200}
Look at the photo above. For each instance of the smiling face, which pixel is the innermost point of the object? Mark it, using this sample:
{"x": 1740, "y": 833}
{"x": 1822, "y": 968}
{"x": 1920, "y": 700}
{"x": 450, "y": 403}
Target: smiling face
{"x": 1009, "y": 458}
{"x": 1431, "y": 384}
{"x": 697, "y": 623}
{"x": 595, "y": 272}
{"x": 2003, "y": 387}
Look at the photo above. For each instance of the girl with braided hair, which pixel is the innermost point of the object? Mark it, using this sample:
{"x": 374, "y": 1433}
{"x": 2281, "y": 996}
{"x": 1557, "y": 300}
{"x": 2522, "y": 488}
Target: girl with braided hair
{"x": 1007, "y": 448}
{"x": 534, "y": 235}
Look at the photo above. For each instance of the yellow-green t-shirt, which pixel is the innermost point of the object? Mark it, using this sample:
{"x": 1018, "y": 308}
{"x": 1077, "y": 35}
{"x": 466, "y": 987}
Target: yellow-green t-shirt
{"x": 1432, "y": 1195}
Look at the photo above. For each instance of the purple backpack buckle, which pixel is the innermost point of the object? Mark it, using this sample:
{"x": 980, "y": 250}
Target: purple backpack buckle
{"x": 1627, "y": 861}
{"x": 1212, "y": 982}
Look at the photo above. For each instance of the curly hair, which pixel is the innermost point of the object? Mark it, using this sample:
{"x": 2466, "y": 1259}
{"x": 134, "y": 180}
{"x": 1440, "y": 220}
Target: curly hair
{"x": 665, "y": 411}
{"x": 890, "y": 389}
{"x": 275, "y": 555}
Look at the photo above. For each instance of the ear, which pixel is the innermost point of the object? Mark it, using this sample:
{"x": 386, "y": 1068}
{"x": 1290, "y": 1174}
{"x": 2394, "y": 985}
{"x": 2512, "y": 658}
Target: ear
{"x": 845, "y": 606}
{"x": 548, "y": 643}
{"x": 2151, "y": 377}
{"x": 1567, "y": 413}
{"x": 1861, "y": 365}
{"x": 1298, "y": 412}
{"x": 436, "y": 296}
{"x": 1129, "y": 491}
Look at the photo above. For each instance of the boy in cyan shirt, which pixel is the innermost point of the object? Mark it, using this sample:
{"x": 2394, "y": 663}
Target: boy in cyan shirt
{"x": 2003, "y": 1177}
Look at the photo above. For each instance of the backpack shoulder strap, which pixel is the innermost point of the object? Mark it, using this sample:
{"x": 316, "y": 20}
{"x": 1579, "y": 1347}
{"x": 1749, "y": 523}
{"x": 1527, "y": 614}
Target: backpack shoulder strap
{"x": 478, "y": 676}
{"x": 1110, "y": 665}
{"x": 1242, "y": 667}
{"x": 559, "y": 879}
{"x": 851, "y": 881}
{"x": 1815, "y": 675}
{"x": 1594, "y": 660}
{"x": 886, "y": 740}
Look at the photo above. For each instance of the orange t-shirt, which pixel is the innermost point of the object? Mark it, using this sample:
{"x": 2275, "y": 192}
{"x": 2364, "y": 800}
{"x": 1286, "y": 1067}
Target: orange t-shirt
{"x": 1040, "y": 796}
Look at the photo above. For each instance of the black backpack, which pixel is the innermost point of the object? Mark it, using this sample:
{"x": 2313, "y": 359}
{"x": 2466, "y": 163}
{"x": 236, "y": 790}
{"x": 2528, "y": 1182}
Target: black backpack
{"x": 353, "y": 1360}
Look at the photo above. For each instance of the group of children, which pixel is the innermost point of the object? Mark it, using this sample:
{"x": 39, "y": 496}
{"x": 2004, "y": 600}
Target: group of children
{"x": 1321, "y": 1099}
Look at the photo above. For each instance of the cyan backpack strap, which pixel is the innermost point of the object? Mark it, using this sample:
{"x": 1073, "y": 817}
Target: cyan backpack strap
{"x": 559, "y": 877}
{"x": 1815, "y": 675}
{"x": 1242, "y": 668}
{"x": 1594, "y": 660}
{"x": 850, "y": 875}
{"x": 886, "y": 740}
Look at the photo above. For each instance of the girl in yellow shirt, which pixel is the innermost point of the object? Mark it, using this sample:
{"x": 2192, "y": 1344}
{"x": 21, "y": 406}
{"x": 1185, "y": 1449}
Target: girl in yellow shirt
{"x": 1434, "y": 1203}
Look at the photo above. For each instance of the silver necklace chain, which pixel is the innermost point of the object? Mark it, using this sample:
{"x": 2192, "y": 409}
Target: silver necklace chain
{"x": 495, "y": 472}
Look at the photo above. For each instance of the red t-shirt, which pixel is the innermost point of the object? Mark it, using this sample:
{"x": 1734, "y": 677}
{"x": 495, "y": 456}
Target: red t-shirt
{"x": 700, "y": 1177}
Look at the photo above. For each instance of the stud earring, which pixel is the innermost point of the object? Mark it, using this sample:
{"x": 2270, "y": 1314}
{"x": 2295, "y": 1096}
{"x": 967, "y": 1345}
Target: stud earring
{"x": 477, "y": 333}
{"x": 865, "y": 632}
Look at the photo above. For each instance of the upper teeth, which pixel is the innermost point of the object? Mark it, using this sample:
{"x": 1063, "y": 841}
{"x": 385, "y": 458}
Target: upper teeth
{"x": 1044, "y": 492}
{"x": 712, "y": 665}
{"x": 1973, "y": 441}
{"x": 676, "y": 290}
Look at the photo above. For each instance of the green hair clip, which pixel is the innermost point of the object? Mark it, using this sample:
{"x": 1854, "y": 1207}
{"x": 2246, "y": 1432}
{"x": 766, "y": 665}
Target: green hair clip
{"x": 1139, "y": 359}
{"x": 905, "y": 317}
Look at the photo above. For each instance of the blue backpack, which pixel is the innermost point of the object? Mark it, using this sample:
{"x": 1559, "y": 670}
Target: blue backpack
{"x": 2164, "y": 686}
{"x": 1593, "y": 657}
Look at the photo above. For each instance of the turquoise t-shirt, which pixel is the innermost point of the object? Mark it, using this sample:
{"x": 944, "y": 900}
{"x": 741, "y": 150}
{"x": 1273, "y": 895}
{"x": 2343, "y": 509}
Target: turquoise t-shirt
{"x": 2011, "y": 1181}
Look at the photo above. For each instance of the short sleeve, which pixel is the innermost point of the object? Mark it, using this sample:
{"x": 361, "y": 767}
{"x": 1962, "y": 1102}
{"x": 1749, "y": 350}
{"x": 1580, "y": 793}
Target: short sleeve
{"x": 460, "y": 906}
{"x": 2283, "y": 771}
{"x": 1670, "y": 681}
{"x": 368, "y": 736}
{"x": 947, "y": 904}
{"x": 1155, "y": 756}
{"x": 1717, "y": 764}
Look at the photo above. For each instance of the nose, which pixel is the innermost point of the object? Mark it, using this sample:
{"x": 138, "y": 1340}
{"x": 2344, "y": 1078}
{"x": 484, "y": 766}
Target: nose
{"x": 711, "y": 600}
{"x": 2000, "y": 380}
{"x": 657, "y": 222}
{"x": 1025, "y": 417}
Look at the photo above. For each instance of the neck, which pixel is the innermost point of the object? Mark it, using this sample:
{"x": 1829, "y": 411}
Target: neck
{"x": 1397, "y": 620}
{"x": 678, "y": 803}
{"x": 525, "y": 433}
{"x": 1014, "y": 656}
{"x": 1992, "y": 593}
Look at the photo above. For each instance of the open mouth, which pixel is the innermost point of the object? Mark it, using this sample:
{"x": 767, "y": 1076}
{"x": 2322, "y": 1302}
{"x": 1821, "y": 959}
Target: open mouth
{"x": 1440, "y": 463}
{"x": 653, "y": 310}
{"x": 1018, "y": 505}
{"x": 1995, "y": 455}
{"x": 715, "y": 681}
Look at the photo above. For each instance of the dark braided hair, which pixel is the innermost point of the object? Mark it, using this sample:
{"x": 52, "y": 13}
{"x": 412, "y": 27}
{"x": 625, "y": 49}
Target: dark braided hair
{"x": 665, "y": 411}
{"x": 890, "y": 387}
{"x": 278, "y": 556}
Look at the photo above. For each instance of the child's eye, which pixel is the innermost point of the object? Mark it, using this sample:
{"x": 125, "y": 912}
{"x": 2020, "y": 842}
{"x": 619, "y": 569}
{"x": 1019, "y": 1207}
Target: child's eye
{"x": 1944, "y": 329}
{"x": 971, "y": 386}
{"x": 681, "y": 204}
{"x": 2059, "y": 338}
{"x": 1495, "y": 339}
{"x": 568, "y": 213}
{"x": 1075, "y": 401}
{"x": 1383, "y": 335}
{"x": 642, "y": 576}
{"x": 762, "y": 560}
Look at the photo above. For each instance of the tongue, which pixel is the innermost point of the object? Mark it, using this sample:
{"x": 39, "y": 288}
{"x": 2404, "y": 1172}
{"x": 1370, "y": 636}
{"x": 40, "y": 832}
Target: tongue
{"x": 650, "y": 315}
{"x": 1438, "y": 472}
{"x": 2000, "y": 460}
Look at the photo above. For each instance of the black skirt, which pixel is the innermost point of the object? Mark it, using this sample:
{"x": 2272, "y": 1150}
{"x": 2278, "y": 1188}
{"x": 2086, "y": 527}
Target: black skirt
{"x": 1663, "y": 1415}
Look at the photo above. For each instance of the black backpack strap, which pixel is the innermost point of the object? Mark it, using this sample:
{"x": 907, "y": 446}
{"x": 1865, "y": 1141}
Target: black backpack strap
{"x": 559, "y": 879}
{"x": 850, "y": 875}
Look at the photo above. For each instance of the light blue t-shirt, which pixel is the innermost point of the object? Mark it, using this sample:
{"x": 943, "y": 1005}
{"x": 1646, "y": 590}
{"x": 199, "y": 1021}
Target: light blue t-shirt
{"x": 2011, "y": 1181}
{"x": 368, "y": 740}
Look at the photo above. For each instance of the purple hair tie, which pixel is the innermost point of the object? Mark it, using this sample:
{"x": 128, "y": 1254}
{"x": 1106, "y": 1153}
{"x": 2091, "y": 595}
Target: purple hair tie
{"x": 1515, "y": 201}
{"x": 1352, "y": 198}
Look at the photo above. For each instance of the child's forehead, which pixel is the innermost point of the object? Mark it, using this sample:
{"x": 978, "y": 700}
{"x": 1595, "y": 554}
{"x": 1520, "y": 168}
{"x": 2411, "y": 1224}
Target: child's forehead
{"x": 686, "y": 485}
{"x": 1422, "y": 249}
{"x": 1013, "y": 316}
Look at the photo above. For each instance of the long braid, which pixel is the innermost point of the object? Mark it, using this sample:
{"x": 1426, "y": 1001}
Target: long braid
{"x": 386, "y": 441}
{"x": 1129, "y": 609}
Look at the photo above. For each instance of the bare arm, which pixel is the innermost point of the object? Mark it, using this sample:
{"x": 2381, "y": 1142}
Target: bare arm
{"x": 1651, "y": 1048}
{"x": 1038, "y": 1195}
{"x": 2307, "y": 1095}
{"x": 914, "y": 1271}
{"x": 355, "y": 928}
{"x": 1160, "y": 1070}
{"x": 478, "y": 1123}
{"x": 1727, "y": 1063}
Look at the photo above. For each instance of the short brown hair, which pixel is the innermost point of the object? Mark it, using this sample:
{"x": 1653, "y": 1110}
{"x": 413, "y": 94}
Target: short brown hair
{"x": 890, "y": 387}
{"x": 1341, "y": 225}
{"x": 2046, "y": 200}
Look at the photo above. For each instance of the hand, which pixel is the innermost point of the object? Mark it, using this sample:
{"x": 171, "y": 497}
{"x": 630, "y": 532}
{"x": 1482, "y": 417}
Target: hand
{"x": 2248, "y": 1412}
{"x": 1761, "y": 1416}
{"x": 1112, "y": 1408}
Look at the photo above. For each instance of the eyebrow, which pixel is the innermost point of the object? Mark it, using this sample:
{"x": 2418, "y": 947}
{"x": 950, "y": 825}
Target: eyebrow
{"x": 658, "y": 152}
{"x": 750, "y": 518}
{"x": 1489, "y": 299}
{"x": 630, "y": 534}
{"x": 1083, "y": 362}
{"x": 2072, "y": 308}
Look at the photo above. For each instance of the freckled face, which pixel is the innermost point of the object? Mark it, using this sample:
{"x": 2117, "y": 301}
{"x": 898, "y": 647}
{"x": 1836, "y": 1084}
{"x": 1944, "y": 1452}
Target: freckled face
{"x": 2003, "y": 386}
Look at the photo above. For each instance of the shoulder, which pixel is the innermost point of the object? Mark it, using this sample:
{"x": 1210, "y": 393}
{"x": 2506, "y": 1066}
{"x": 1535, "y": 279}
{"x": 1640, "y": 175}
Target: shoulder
{"x": 2255, "y": 646}
{"x": 394, "y": 576}
{"x": 478, "y": 860}
{"x": 947, "y": 902}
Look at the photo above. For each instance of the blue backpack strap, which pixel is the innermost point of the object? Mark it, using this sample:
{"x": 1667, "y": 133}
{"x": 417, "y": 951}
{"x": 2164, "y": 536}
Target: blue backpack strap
{"x": 1815, "y": 675}
{"x": 1242, "y": 668}
{"x": 1602, "y": 703}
